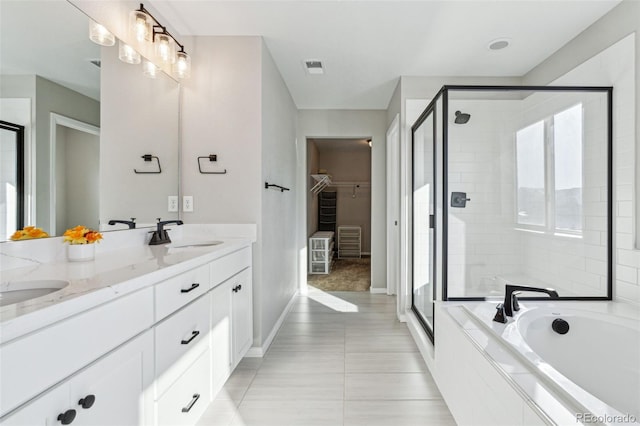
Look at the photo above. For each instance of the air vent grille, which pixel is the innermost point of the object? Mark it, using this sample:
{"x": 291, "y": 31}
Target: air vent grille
{"x": 314, "y": 66}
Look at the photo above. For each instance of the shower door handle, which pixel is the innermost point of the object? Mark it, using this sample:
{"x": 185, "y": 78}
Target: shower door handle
{"x": 432, "y": 221}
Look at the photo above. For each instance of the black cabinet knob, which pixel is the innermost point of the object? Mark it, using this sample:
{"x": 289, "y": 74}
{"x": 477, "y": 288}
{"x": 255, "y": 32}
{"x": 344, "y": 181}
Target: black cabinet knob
{"x": 235, "y": 289}
{"x": 67, "y": 417}
{"x": 239, "y": 287}
{"x": 87, "y": 401}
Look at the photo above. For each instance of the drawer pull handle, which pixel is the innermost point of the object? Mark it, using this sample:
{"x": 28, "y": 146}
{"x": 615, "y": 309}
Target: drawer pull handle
{"x": 194, "y": 334}
{"x": 193, "y": 287}
{"x": 87, "y": 401}
{"x": 67, "y": 417}
{"x": 186, "y": 409}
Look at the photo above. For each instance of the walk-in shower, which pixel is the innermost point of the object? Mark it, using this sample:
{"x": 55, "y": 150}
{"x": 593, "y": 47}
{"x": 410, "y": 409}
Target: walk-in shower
{"x": 521, "y": 194}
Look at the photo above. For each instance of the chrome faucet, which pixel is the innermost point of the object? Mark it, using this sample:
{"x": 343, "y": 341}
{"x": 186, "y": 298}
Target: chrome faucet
{"x": 160, "y": 235}
{"x": 510, "y": 296}
{"x": 130, "y": 223}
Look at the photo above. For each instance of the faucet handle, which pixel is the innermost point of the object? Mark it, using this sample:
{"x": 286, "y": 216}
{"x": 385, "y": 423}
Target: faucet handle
{"x": 500, "y": 316}
{"x": 514, "y": 301}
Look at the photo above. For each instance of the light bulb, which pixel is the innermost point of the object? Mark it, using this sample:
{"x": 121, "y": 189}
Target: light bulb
{"x": 149, "y": 69}
{"x": 100, "y": 35}
{"x": 140, "y": 26}
{"x": 165, "y": 49}
{"x": 128, "y": 54}
{"x": 182, "y": 67}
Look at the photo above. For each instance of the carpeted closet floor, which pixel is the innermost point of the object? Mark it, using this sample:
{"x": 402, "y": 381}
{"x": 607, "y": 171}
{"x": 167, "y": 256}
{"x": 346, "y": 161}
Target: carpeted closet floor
{"x": 346, "y": 275}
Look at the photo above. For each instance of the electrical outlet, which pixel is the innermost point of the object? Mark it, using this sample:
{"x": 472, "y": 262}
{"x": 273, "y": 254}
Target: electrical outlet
{"x": 187, "y": 203}
{"x": 173, "y": 203}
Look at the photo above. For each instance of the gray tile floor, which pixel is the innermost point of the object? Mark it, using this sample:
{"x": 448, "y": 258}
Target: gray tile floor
{"x": 340, "y": 359}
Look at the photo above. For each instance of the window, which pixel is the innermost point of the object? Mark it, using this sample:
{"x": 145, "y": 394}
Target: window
{"x": 549, "y": 173}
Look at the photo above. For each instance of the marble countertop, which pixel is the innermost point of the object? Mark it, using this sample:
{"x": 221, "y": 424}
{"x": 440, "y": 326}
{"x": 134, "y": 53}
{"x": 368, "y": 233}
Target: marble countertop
{"x": 111, "y": 275}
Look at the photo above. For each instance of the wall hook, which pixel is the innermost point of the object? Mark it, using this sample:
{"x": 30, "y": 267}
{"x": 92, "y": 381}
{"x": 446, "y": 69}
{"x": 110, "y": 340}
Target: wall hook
{"x": 212, "y": 158}
{"x": 149, "y": 157}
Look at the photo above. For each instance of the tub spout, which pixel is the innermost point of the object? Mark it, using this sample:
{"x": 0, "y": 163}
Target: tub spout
{"x": 510, "y": 292}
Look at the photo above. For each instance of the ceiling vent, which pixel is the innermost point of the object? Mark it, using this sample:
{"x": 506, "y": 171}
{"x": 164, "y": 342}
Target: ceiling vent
{"x": 313, "y": 66}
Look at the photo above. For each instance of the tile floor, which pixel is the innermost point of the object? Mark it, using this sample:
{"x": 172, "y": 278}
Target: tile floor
{"x": 340, "y": 359}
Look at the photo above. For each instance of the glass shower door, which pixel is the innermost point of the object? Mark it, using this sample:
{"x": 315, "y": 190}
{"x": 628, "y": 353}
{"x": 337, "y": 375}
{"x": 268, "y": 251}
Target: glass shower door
{"x": 423, "y": 219}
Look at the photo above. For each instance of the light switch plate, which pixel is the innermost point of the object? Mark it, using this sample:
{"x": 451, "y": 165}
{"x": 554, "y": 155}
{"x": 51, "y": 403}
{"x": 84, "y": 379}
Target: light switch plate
{"x": 173, "y": 203}
{"x": 187, "y": 203}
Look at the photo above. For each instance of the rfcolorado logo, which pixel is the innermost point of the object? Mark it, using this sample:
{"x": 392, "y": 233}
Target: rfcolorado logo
{"x": 607, "y": 418}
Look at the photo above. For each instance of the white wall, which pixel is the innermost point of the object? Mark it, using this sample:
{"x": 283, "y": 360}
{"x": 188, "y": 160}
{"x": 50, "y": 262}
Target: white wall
{"x": 140, "y": 116}
{"x": 277, "y": 229}
{"x": 313, "y": 156}
{"x": 340, "y": 124}
{"x": 616, "y": 66}
{"x": 236, "y": 105}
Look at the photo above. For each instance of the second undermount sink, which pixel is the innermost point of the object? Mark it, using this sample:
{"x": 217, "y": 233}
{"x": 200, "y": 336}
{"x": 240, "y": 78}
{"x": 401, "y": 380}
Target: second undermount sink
{"x": 19, "y": 291}
{"x": 189, "y": 244}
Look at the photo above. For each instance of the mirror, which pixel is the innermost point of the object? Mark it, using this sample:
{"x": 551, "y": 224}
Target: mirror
{"x": 88, "y": 120}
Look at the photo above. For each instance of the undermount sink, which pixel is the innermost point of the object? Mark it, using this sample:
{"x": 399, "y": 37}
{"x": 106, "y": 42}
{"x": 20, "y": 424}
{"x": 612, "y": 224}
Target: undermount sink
{"x": 18, "y": 291}
{"x": 189, "y": 244}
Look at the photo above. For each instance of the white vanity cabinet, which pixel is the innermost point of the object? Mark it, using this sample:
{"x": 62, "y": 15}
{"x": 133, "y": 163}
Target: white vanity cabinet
{"x": 155, "y": 356}
{"x": 114, "y": 390}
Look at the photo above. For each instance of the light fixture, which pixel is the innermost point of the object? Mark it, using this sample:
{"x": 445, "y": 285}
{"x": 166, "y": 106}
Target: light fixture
{"x": 128, "y": 54}
{"x": 100, "y": 35}
{"x": 149, "y": 69}
{"x": 140, "y": 26}
{"x": 370, "y": 145}
{"x": 182, "y": 67}
{"x": 165, "y": 48}
{"x": 165, "y": 45}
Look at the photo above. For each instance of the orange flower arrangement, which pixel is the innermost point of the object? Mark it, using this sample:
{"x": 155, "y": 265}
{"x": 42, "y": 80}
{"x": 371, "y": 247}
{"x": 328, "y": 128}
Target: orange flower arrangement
{"x": 29, "y": 233}
{"x": 81, "y": 235}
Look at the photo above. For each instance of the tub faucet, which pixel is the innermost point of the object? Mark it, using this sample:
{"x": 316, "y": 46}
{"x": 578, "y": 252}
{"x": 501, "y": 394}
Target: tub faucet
{"x": 160, "y": 235}
{"x": 510, "y": 296}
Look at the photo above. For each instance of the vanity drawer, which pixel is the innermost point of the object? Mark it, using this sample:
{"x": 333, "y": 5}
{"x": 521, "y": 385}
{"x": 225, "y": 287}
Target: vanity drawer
{"x": 176, "y": 292}
{"x": 188, "y": 397}
{"x": 37, "y": 361}
{"x": 179, "y": 340}
{"x": 227, "y": 266}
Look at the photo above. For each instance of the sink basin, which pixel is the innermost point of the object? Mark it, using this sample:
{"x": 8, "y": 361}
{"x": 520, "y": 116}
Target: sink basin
{"x": 18, "y": 291}
{"x": 189, "y": 244}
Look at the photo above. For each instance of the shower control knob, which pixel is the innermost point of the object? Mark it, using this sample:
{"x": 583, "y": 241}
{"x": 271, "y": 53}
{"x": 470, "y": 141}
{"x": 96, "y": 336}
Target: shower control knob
{"x": 560, "y": 326}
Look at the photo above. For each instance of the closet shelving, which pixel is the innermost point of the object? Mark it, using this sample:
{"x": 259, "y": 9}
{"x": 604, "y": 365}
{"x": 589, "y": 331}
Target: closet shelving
{"x": 349, "y": 242}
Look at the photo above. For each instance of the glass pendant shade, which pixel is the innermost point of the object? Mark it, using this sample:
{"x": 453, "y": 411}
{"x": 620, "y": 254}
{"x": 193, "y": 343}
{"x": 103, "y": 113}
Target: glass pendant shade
{"x": 149, "y": 69}
{"x": 100, "y": 35}
{"x": 140, "y": 26}
{"x": 165, "y": 49}
{"x": 182, "y": 67}
{"x": 128, "y": 54}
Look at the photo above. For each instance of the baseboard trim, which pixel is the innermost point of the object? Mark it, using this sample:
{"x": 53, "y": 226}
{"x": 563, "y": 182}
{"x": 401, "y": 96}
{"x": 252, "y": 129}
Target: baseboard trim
{"x": 260, "y": 351}
{"x": 376, "y": 290}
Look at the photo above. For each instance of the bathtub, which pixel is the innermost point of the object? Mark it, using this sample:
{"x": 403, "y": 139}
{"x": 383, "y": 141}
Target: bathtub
{"x": 595, "y": 366}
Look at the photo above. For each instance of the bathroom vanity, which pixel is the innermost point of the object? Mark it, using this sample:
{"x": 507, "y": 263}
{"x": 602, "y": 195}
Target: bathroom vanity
{"x": 142, "y": 335}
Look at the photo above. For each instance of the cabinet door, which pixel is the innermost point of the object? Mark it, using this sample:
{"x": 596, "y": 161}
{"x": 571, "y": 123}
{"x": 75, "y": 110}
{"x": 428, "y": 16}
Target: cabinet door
{"x": 43, "y": 410}
{"x": 242, "y": 311}
{"x": 221, "y": 334}
{"x": 120, "y": 385}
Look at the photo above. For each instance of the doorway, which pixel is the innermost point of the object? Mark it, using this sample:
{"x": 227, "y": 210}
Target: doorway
{"x": 339, "y": 213}
{"x": 74, "y": 174}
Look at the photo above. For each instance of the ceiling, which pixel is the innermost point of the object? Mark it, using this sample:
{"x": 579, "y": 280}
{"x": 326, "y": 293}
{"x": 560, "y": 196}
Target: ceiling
{"x": 366, "y": 45}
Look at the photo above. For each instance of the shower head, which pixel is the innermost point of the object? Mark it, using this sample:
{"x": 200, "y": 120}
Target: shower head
{"x": 462, "y": 117}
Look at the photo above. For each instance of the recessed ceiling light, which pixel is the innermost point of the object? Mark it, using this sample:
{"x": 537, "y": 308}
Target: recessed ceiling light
{"x": 313, "y": 66}
{"x": 498, "y": 44}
